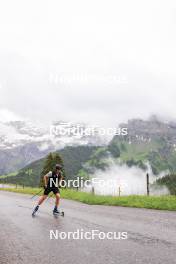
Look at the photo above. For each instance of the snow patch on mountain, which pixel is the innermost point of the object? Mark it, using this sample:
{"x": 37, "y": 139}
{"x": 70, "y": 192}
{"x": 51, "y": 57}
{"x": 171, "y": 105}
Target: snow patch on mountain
{"x": 19, "y": 132}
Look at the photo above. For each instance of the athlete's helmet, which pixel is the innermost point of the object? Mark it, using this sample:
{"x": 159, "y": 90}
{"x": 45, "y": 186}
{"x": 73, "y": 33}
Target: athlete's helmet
{"x": 58, "y": 167}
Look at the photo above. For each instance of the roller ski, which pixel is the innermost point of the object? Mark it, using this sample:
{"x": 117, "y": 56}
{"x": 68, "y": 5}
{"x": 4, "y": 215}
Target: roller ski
{"x": 35, "y": 210}
{"x": 57, "y": 212}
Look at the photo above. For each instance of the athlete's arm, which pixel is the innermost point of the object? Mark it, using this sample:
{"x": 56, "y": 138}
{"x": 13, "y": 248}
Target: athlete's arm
{"x": 45, "y": 179}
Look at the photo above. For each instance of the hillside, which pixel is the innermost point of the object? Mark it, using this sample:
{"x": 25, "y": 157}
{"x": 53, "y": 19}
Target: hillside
{"x": 73, "y": 158}
{"x": 170, "y": 182}
{"x": 151, "y": 141}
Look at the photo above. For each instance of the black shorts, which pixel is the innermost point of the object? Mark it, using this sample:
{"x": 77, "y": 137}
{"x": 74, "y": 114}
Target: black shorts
{"x": 51, "y": 189}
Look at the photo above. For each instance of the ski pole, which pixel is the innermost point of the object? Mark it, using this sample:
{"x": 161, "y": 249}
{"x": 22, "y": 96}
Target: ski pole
{"x": 36, "y": 194}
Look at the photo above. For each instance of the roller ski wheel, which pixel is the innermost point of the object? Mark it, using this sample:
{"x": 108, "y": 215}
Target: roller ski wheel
{"x": 58, "y": 213}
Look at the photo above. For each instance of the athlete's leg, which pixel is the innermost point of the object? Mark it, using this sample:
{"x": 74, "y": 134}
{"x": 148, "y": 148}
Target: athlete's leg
{"x": 57, "y": 199}
{"x": 44, "y": 196}
{"x": 42, "y": 199}
{"x": 56, "y": 192}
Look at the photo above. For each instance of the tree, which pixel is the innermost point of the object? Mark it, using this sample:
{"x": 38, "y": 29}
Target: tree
{"x": 114, "y": 150}
{"x": 51, "y": 160}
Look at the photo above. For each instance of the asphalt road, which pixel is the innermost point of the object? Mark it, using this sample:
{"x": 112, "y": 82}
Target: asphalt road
{"x": 23, "y": 239}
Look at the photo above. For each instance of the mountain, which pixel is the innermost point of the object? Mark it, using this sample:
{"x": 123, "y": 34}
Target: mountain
{"x": 147, "y": 142}
{"x": 22, "y": 142}
{"x": 150, "y": 141}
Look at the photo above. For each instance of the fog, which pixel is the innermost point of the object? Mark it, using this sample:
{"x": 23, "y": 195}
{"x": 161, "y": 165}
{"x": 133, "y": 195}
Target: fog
{"x": 127, "y": 181}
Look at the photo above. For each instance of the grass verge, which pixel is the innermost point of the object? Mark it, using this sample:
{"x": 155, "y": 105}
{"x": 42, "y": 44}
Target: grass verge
{"x": 139, "y": 201}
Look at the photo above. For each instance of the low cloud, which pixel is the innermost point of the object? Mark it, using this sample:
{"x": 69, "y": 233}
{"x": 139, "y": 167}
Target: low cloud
{"x": 129, "y": 181}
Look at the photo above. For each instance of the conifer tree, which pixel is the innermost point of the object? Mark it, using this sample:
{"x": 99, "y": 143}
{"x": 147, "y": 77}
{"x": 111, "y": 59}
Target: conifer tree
{"x": 51, "y": 160}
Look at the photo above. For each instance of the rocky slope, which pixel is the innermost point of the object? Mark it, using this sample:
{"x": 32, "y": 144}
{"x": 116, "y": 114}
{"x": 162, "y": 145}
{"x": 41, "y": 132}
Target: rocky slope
{"x": 22, "y": 142}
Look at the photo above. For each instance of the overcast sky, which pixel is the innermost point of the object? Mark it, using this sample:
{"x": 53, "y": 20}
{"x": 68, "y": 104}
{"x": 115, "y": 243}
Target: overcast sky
{"x": 100, "y": 62}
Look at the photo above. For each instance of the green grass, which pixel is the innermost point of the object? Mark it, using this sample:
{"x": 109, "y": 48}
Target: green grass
{"x": 151, "y": 202}
{"x": 8, "y": 175}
